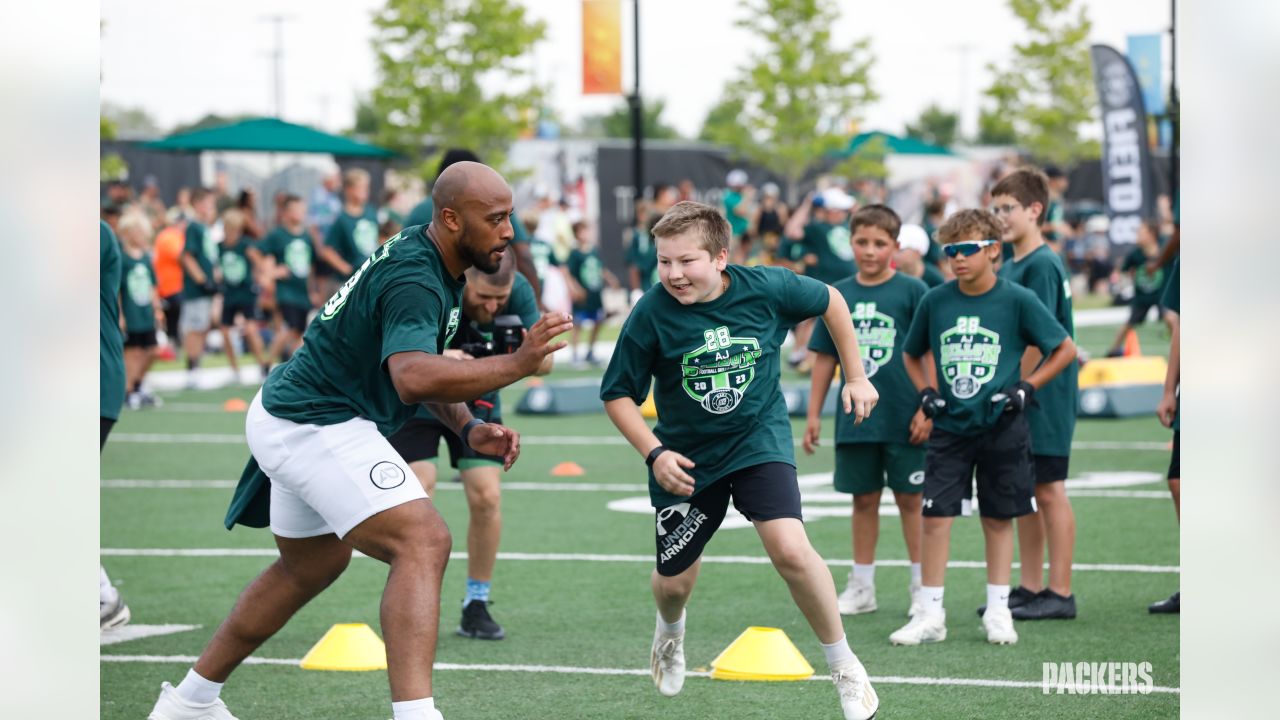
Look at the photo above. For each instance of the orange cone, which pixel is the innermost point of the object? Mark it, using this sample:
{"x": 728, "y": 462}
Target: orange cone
{"x": 235, "y": 404}
{"x": 1131, "y": 346}
{"x": 568, "y": 469}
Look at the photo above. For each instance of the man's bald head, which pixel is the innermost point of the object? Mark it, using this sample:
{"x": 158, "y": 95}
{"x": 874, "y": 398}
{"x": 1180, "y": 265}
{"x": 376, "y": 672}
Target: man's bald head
{"x": 465, "y": 182}
{"x": 473, "y": 213}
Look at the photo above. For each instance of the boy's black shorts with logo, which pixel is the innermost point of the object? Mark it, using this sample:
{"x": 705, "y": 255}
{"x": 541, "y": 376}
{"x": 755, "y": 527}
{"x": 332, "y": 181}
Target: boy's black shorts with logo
{"x": 767, "y": 491}
{"x": 1005, "y": 469}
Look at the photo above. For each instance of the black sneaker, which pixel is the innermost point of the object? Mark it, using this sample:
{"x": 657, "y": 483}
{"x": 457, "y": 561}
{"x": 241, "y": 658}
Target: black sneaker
{"x": 1171, "y": 605}
{"x": 1047, "y": 605}
{"x": 478, "y": 624}
{"x": 1018, "y": 597}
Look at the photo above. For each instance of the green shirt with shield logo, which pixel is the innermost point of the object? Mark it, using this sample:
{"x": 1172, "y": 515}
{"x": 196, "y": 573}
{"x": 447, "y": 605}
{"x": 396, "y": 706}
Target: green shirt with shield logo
{"x": 202, "y": 246}
{"x": 400, "y": 299}
{"x": 237, "y": 284}
{"x": 137, "y": 288}
{"x": 832, "y": 246}
{"x": 881, "y": 316}
{"x": 295, "y": 252}
{"x": 355, "y": 237}
{"x": 714, "y": 370}
{"x": 1053, "y": 417}
{"x": 977, "y": 343}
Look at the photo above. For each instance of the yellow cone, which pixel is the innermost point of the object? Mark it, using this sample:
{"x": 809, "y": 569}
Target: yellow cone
{"x": 648, "y": 408}
{"x": 351, "y": 646}
{"x": 761, "y": 653}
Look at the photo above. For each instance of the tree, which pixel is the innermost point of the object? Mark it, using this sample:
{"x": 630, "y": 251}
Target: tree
{"x": 995, "y": 129}
{"x": 617, "y": 124}
{"x": 130, "y": 123}
{"x": 1047, "y": 92}
{"x": 935, "y": 125}
{"x": 800, "y": 91}
{"x": 367, "y": 120}
{"x": 722, "y": 125}
{"x": 438, "y": 62}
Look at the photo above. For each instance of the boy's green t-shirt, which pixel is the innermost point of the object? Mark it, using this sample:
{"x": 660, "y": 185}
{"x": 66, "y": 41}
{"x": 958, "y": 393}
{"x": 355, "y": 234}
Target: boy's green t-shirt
{"x": 881, "y": 316}
{"x": 586, "y": 268}
{"x": 295, "y": 252}
{"x": 977, "y": 344}
{"x": 831, "y": 244}
{"x": 354, "y": 236}
{"x": 1148, "y": 285}
{"x": 237, "y": 285}
{"x": 202, "y": 246}
{"x": 137, "y": 288}
{"x": 1053, "y": 417}
{"x": 714, "y": 370}
{"x": 400, "y": 299}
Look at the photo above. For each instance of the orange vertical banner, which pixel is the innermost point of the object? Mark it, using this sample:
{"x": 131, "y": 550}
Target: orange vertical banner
{"x": 601, "y": 47}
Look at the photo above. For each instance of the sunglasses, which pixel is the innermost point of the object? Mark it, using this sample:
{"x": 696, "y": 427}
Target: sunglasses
{"x": 967, "y": 248}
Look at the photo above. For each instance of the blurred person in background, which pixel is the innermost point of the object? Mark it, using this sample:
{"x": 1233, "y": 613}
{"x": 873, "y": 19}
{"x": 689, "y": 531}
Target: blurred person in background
{"x": 1149, "y": 278}
{"x": 323, "y": 207}
{"x": 739, "y": 207}
{"x": 820, "y": 244}
{"x": 587, "y": 277}
{"x": 167, "y": 261}
{"x": 1097, "y": 255}
{"x": 112, "y": 612}
{"x": 151, "y": 203}
{"x": 642, "y": 255}
{"x": 238, "y": 262}
{"x": 110, "y": 214}
{"x": 354, "y": 232}
{"x": 139, "y": 306}
{"x": 222, "y": 191}
{"x": 686, "y": 191}
{"x": 199, "y": 280}
{"x": 766, "y": 227}
{"x": 913, "y": 246}
{"x": 248, "y": 205}
{"x": 1054, "y": 227}
{"x": 289, "y": 270}
{"x": 388, "y": 212}
{"x": 181, "y": 210}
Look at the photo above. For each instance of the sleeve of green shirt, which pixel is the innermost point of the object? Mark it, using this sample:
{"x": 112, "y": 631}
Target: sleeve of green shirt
{"x": 799, "y": 297}
{"x": 1171, "y": 299}
{"x": 1037, "y": 326}
{"x": 630, "y": 370}
{"x": 918, "y": 340}
{"x": 410, "y": 319}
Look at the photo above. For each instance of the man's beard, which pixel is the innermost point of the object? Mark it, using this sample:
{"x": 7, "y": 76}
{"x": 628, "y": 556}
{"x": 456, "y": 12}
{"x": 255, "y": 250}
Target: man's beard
{"x": 478, "y": 257}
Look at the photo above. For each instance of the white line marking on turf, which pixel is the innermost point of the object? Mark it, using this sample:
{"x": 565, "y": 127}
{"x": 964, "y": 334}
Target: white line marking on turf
{"x": 589, "y": 557}
{"x": 631, "y": 672}
{"x": 132, "y": 484}
{"x": 235, "y": 439}
{"x": 136, "y": 632}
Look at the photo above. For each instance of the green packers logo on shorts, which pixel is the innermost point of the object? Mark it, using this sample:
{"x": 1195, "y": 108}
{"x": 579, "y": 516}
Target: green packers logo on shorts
{"x": 455, "y": 317}
{"x": 235, "y": 269}
{"x": 969, "y": 356}
{"x": 838, "y": 239}
{"x": 339, "y": 298}
{"x": 718, "y": 373}
{"x": 876, "y": 334}
{"x": 365, "y": 236}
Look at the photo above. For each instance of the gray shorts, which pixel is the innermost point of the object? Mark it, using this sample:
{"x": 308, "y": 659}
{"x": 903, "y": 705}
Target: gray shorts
{"x": 197, "y": 315}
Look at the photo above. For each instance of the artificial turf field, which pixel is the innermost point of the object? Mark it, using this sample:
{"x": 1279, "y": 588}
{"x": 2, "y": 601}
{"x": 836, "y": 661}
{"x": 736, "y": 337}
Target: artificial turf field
{"x": 574, "y": 598}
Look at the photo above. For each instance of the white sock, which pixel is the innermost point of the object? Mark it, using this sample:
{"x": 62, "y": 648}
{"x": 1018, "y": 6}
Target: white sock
{"x": 106, "y": 592}
{"x": 916, "y": 576}
{"x": 198, "y": 691}
{"x": 674, "y": 628}
{"x": 864, "y": 574}
{"x": 997, "y": 596}
{"x": 838, "y": 652}
{"x": 931, "y": 599}
{"x": 413, "y": 709}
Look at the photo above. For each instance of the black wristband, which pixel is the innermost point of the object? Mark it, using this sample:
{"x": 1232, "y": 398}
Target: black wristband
{"x": 466, "y": 430}
{"x": 653, "y": 455}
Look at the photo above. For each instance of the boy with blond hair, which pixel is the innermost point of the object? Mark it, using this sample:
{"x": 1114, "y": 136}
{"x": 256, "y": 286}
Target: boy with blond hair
{"x": 888, "y": 448}
{"x": 709, "y": 343}
{"x": 139, "y": 306}
{"x": 977, "y": 328}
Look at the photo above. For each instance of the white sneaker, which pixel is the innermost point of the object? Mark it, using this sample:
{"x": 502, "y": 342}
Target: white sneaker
{"x": 171, "y": 706}
{"x": 999, "y": 625}
{"x": 857, "y": 597}
{"x": 923, "y": 628}
{"x": 915, "y": 608}
{"x": 666, "y": 662}
{"x": 857, "y": 698}
{"x": 113, "y": 613}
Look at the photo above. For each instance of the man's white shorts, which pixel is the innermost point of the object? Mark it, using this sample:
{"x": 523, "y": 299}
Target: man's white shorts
{"x": 326, "y": 478}
{"x": 196, "y": 315}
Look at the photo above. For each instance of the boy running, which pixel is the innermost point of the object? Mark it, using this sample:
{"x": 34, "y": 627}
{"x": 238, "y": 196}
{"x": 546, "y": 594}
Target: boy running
{"x": 888, "y": 448}
{"x": 1019, "y": 200}
{"x": 977, "y": 328}
{"x": 587, "y": 276}
{"x": 238, "y": 259}
{"x": 290, "y": 253}
{"x": 710, "y": 344}
{"x": 1148, "y": 283}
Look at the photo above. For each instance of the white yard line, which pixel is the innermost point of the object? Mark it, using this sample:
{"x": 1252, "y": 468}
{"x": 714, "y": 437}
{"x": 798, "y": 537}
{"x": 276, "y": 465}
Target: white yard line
{"x": 630, "y": 672}
{"x": 616, "y": 558}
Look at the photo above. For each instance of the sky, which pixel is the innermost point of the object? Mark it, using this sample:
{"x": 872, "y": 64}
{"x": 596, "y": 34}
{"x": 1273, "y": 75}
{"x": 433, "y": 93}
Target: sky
{"x": 182, "y": 60}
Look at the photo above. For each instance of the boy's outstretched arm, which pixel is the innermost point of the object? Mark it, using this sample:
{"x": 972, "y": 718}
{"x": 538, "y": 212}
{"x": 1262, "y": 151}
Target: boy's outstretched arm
{"x": 823, "y": 371}
{"x": 859, "y": 396}
{"x": 669, "y": 466}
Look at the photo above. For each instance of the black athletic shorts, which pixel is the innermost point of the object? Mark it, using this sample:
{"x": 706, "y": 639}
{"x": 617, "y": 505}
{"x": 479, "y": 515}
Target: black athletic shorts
{"x": 1005, "y": 469}
{"x": 144, "y": 339}
{"x": 172, "y": 307}
{"x": 419, "y": 439}
{"x": 230, "y": 310}
{"x": 294, "y": 316}
{"x": 104, "y": 429}
{"x": 1051, "y": 468}
{"x": 1175, "y": 463}
{"x": 1138, "y": 312}
{"x": 768, "y": 491}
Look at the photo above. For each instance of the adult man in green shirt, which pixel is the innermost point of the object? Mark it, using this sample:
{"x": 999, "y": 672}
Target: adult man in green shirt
{"x": 486, "y": 298}
{"x": 317, "y": 430}
{"x": 199, "y": 279}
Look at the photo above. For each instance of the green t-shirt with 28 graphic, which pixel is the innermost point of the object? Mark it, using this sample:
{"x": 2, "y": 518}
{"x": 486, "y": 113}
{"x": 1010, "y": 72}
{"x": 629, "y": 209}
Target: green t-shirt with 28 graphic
{"x": 977, "y": 343}
{"x": 881, "y": 315}
{"x": 714, "y": 370}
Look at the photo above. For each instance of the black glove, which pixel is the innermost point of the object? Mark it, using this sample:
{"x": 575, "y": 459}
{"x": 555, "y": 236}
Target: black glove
{"x": 931, "y": 403}
{"x": 1021, "y": 396}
